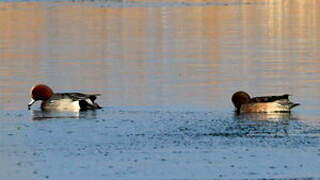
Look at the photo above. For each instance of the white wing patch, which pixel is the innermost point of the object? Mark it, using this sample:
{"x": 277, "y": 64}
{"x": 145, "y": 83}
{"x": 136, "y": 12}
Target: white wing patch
{"x": 61, "y": 105}
{"x": 89, "y": 101}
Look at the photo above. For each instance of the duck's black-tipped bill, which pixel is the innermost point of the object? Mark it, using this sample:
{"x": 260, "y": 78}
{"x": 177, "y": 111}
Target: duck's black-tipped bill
{"x": 30, "y": 104}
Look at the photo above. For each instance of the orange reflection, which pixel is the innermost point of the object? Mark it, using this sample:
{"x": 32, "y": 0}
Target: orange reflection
{"x": 151, "y": 55}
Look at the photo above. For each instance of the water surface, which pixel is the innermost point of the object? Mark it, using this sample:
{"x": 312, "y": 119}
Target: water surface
{"x": 166, "y": 72}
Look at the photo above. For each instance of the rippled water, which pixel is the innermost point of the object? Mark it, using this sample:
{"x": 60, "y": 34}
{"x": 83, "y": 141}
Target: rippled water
{"x": 166, "y": 72}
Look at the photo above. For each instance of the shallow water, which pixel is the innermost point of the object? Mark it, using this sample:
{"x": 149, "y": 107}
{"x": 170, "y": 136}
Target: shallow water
{"x": 166, "y": 72}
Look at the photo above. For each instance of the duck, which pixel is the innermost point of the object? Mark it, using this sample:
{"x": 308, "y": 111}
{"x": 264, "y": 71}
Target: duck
{"x": 51, "y": 101}
{"x": 264, "y": 104}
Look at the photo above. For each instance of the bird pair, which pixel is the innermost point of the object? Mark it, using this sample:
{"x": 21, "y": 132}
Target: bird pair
{"x": 80, "y": 102}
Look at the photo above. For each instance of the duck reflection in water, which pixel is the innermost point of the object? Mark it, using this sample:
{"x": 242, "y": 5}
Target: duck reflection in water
{"x": 265, "y": 116}
{"x": 39, "y": 115}
{"x": 264, "y": 124}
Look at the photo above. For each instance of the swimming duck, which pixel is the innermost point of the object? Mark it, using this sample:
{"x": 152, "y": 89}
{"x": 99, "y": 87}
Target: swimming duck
{"x": 267, "y": 104}
{"x": 62, "y": 101}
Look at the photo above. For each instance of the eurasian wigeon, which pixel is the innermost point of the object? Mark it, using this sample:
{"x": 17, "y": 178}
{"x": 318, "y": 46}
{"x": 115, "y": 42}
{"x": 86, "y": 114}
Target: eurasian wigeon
{"x": 267, "y": 104}
{"x": 62, "y": 101}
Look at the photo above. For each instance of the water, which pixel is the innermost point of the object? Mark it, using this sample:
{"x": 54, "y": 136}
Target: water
{"x": 166, "y": 72}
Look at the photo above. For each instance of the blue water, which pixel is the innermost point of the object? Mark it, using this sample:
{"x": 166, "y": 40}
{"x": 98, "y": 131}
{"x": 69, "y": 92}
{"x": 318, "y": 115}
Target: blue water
{"x": 166, "y": 72}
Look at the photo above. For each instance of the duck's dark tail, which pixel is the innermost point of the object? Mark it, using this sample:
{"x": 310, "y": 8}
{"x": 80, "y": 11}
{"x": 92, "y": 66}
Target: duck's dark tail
{"x": 88, "y": 104}
{"x": 292, "y": 105}
{"x": 287, "y": 105}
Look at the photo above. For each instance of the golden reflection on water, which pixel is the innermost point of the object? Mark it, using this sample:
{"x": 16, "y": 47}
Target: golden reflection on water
{"x": 272, "y": 117}
{"x": 161, "y": 55}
